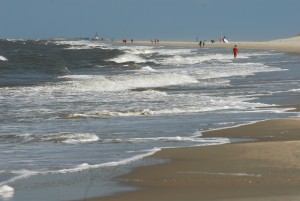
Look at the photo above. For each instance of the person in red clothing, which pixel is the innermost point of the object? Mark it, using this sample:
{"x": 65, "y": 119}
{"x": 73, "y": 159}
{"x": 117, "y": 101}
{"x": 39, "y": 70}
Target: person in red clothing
{"x": 235, "y": 51}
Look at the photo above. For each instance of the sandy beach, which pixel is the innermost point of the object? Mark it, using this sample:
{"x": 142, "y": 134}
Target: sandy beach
{"x": 265, "y": 169}
{"x": 289, "y": 45}
{"x": 268, "y": 169}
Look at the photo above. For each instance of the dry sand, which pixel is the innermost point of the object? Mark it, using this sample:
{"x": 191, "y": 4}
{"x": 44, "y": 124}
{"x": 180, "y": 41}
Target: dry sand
{"x": 289, "y": 45}
{"x": 264, "y": 170}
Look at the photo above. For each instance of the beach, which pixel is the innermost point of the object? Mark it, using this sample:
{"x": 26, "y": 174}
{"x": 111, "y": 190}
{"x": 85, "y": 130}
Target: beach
{"x": 289, "y": 45}
{"x": 265, "y": 167}
{"x": 111, "y": 121}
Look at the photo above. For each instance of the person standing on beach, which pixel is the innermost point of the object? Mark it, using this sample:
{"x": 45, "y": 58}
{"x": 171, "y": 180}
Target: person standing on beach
{"x": 235, "y": 51}
{"x": 200, "y": 43}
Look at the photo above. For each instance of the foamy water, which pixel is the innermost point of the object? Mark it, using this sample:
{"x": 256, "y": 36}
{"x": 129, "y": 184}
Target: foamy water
{"x": 2, "y": 58}
{"x": 6, "y": 192}
{"x": 76, "y": 114}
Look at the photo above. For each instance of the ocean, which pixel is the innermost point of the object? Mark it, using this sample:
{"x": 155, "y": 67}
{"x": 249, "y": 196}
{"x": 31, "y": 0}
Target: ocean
{"x": 75, "y": 115}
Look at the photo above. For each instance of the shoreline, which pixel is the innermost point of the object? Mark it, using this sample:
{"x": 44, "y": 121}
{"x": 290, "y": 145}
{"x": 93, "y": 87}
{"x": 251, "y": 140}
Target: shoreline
{"x": 264, "y": 170}
{"x": 267, "y": 169}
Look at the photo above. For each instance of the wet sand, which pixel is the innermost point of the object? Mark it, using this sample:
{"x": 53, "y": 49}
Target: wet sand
{"x": 267, "y": 169}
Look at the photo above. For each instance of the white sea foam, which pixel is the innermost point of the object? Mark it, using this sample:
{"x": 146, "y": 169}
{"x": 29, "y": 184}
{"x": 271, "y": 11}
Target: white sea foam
{"x": 169, "y": 139}
{"x": 294, "y": 90}
{"x": 188, "y": 103}
{"x": 194, "y": 104}
{"x": 68, "y": 138}
{"x": 14, "y": 40}
{"x": 144, "y": 112}
{"x": 151, "y": 102}
{"x": 146, "y": 50}
{"x": 260, "y": 53}
{"x": 128, "y": 58}
{"x": 148, "y": 69}
{"x": 6, "y": 192}
{"x": 137, "y": 50}
{"x": 2, "y": 58}
{"x": 229, "y": 70}
{"x": 81, "y": 138}
{"x": 126, "y": 82}
{"x": 74, "y": 116}
{"x": 86, "y": 166}
{"x": 172, "y": 52}
{"x": 193, "y": 59}
{"x": 82, "y": 44}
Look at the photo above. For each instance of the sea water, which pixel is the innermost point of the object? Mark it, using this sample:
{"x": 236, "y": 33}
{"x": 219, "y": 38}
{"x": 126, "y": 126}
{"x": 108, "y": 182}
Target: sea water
{"x": 74, "y": 115}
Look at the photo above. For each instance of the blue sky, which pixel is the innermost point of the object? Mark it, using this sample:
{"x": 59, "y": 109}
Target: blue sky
{"x": 248, "y": 20}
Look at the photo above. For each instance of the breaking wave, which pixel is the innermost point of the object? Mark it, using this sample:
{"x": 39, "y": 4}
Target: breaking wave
{"x": 2, "y": 58}
{"x": 126, "y": 82}
{"x": 68, "y": 138}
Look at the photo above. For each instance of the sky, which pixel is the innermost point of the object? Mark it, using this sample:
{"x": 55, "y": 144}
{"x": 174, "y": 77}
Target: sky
{"x": 184, "y": 20}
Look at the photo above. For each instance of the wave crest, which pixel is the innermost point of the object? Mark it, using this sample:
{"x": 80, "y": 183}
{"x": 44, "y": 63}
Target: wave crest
{"x": 2, "y": 58}
{"x": 68, "y": 138}
{"x": 127, "y": 82}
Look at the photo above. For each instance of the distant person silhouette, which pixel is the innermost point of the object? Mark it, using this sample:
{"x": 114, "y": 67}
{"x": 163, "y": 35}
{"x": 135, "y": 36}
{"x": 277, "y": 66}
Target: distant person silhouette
{"x": 235, "y": 52}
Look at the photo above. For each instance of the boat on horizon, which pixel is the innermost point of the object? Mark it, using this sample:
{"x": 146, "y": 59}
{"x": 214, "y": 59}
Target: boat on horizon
{"x": 96, "y": 37}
